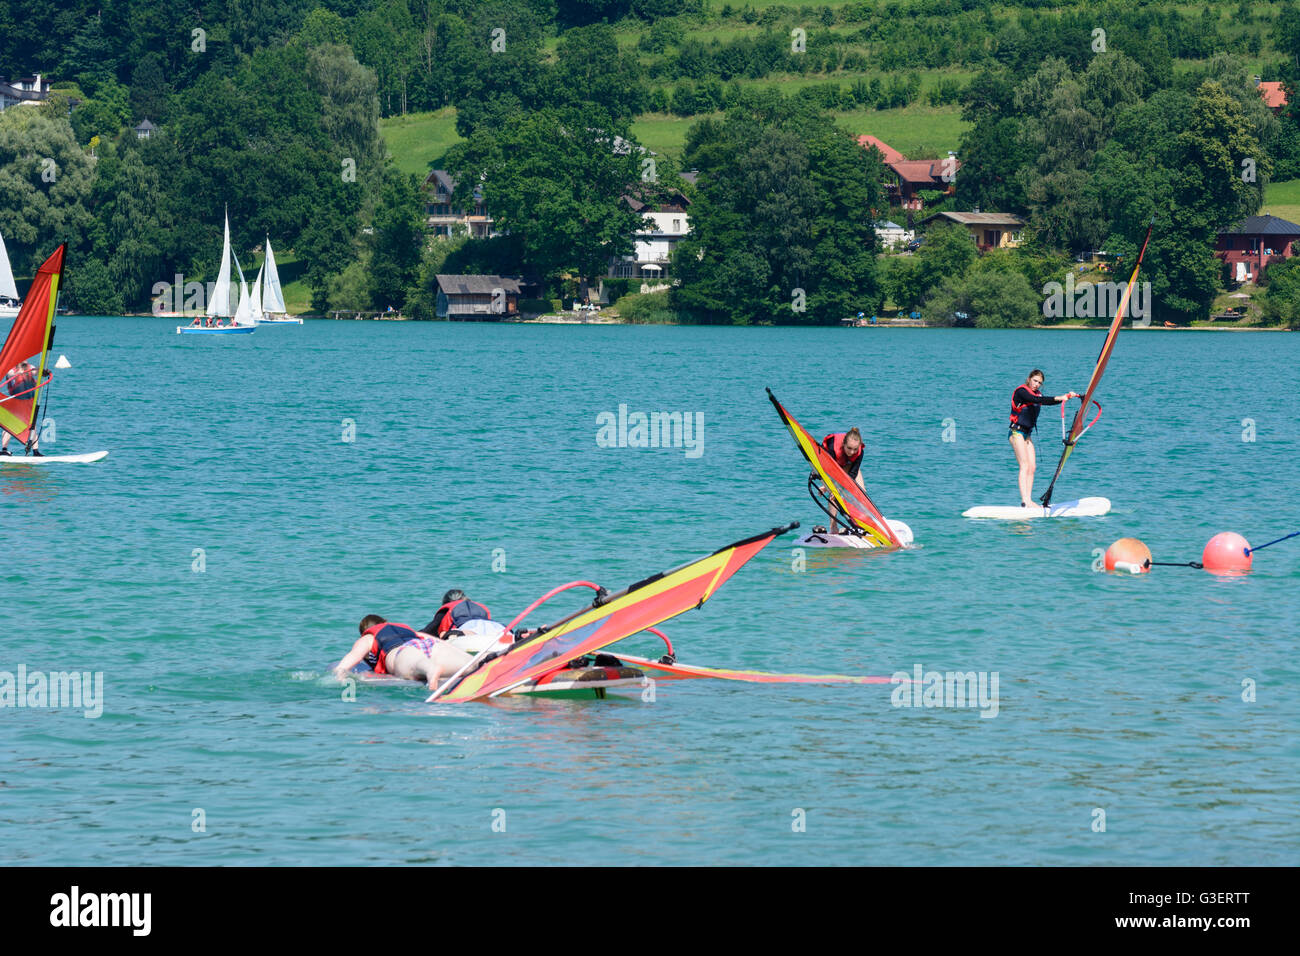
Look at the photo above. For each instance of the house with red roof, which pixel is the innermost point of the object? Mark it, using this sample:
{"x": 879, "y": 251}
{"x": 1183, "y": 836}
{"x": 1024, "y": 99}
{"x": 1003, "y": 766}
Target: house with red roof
{"x": 1273, "y": 93}
{"x": 908, "y": 177}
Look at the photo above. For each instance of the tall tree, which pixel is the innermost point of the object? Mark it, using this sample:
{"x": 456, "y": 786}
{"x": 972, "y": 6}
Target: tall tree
{"x": 558, "y": 184}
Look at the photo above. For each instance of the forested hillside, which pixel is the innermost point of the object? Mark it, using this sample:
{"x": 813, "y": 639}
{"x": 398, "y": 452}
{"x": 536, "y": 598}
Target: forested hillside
{"x": 314, "y": 121}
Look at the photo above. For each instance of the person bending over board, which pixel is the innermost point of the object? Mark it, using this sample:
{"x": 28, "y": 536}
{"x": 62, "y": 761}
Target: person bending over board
{"x": 20, "y": 382}
{"x": 846, "y": 449}
{"x": 456, "y": 610}
{"x": 1025, "y": 402}
{"x": 396, "y": 649}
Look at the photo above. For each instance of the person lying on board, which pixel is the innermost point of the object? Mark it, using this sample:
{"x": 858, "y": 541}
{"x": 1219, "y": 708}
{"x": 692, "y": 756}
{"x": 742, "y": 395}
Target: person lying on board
{"x": 390, "y": 648}
{"x": 846, "y": 449}
{"x": 1026, "y": 399}
{"x": 20, "y": 382}
{"x": 456, "y": 610}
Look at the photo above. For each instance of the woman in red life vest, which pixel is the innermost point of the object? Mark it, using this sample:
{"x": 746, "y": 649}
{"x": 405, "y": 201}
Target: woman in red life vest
{"x": 846, "y": 449}
{"x": 1025, "y": 402}
{"x": 20, "y": 382}
{"x": 398, "y": 650}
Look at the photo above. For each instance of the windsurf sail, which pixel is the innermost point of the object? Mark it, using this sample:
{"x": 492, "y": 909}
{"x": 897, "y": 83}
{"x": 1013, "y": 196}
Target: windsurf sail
{"x": 676, "y": 671}
{"x": 854, "y": 507}
{"x": 630, "y": 611}
{"x": 30, "y": 338}
{"x": 1081, "y": 423}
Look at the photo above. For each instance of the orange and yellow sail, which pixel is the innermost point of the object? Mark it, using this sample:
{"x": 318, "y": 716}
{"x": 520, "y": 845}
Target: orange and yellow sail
{"x": 630, "y": 611}
{"x": 852, "y": 502}
{"x": 29, "y": 339}
{"x": 1078, "y": 427}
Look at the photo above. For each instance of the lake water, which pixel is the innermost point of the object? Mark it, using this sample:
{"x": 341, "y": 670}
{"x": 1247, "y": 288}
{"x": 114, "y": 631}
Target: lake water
{"x": 216, "y": 564}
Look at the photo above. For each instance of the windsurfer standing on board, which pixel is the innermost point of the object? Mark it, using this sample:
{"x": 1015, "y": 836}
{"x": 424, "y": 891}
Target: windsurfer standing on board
{"x": 846, "y": 449}
{"x": 1025, "y": 402}
{"x": 20, "y": 382}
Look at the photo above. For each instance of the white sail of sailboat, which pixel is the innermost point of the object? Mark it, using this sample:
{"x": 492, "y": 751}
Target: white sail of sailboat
{"x": 256, "y": 307}
{"x": 8, "y": 290}
{"x": 244, "y": 311}
{"x": 219, "y": 302}
{"x": 273, "y": 296}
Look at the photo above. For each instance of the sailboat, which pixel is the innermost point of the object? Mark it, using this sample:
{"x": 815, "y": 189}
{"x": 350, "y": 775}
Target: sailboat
{"x": 9, "y": 301}
{"x": 24, "y": 374}
{"x": 272, "y": 300}
{"x": 219, "y": 304}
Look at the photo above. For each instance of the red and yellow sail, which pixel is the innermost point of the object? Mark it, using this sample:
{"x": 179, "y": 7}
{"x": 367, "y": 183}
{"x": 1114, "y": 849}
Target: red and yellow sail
{"x": 629, "y": 612}
{"x": 28, "y": 339}
{"x": 849, "y": 498}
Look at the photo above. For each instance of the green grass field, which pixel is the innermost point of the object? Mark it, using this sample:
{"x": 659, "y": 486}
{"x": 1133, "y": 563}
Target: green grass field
{"x": 418, "y": 139}
{"x": 1282, "y": 200}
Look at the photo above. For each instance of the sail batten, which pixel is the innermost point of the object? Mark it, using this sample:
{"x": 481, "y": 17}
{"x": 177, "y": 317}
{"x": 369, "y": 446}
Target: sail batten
{"x": 850, "y": 500}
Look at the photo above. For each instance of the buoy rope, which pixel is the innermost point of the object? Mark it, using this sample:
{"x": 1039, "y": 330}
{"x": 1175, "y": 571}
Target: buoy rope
{"x": 1263, "y": 546}
{"x": 1172, "y": 564}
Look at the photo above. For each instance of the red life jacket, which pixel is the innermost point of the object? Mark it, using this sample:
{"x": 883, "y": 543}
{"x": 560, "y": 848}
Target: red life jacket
{"x": 382, "y": 644}
{"x": 455, "y": 613}
{"x": 1017, "y": 409}
{"x": 837, "y": 449}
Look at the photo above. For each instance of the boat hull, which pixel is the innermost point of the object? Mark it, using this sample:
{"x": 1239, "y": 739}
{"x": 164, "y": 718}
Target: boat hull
{"x": 279, "y": 321}
{"x": 236, "y": 330}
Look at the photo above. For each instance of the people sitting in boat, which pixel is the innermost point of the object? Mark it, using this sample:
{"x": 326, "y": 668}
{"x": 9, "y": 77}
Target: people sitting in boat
{"x": 20, "y": 382}
{"x": 1026, "y": 399}
{"x": 846, "y": 449}
{"x": 390, "y": 648}
{"x": 455, "y": 611}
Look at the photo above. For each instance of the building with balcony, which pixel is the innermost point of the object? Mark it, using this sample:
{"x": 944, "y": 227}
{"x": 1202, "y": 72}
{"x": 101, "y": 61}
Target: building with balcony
{"x": 444, "y": 218}
{"x": 1255, "y": 243}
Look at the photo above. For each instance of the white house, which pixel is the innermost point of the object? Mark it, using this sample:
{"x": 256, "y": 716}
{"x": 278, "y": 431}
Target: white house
{"x": 891, "y": 234}
{"x": 666, "y": 224}
{"x": 24, "y": 91}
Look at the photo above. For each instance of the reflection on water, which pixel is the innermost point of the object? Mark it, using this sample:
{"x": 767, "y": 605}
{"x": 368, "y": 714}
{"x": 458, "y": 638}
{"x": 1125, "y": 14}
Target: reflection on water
{"x": 28, "y": 483}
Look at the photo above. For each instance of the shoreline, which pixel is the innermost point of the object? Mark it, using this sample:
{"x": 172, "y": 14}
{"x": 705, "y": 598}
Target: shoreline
{"x": 567, "y": 320}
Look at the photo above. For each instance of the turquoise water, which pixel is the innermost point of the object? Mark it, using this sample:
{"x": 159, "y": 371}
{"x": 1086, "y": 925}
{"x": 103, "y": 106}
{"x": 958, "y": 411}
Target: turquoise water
{"x": 476, "y": 444}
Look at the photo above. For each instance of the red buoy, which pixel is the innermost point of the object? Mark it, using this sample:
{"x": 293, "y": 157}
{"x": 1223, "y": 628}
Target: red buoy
{"x": 1128, "y": 555}
{"x": 1227, "y": 553}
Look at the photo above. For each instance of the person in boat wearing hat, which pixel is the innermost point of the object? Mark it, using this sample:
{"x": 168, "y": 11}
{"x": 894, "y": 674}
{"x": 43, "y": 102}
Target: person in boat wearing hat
{"x": 846, "y": 449}
{"x": 1026, "y": 400}
{"x": 20, "y": 382}
{"x": 391, "y": 648}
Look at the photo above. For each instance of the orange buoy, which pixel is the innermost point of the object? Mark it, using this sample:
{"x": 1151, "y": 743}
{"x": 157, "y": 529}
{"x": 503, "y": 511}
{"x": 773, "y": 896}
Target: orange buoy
{"x": 1227, "y": 553}
{"x": 1128, "y": 554}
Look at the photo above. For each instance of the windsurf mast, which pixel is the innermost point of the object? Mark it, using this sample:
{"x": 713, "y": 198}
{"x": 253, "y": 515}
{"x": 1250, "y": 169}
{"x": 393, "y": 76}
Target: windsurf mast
{"x": 1081, "y": 423}
{"x": 31, "y": 336}
{"x": 610, "y": 618}
{"x": 855, "y": 508}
